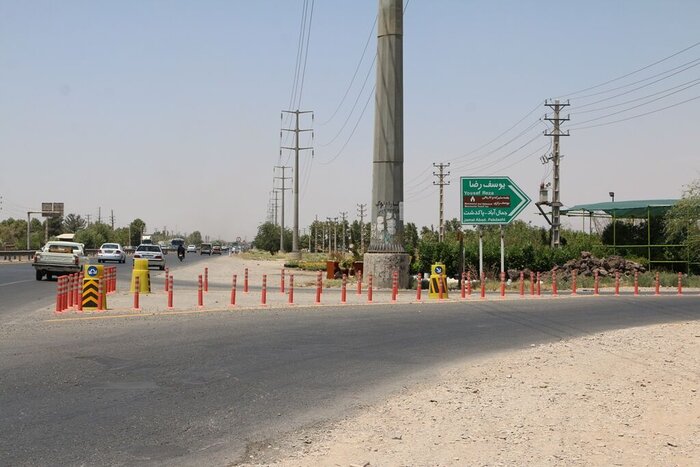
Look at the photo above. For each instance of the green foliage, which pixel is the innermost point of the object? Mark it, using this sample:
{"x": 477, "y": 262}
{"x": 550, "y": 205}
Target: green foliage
{"x": 137, "y": 228}
{"x": 73, "y": 222}
{"x": 195, "y": 238}
{"x": 312, "y": 265}
{"x": 268, "y": 238}
{"x": 683, "y": 220}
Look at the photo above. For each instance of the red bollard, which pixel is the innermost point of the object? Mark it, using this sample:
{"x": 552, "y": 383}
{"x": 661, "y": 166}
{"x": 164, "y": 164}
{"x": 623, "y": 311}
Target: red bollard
{"x": 617, "y": 283}
{"x": 58, "y": 296}
{"x": 469, "y": 284}
{"x": 555, "y": 293}
{"x": 318, "y": 288}
{"x": 200, "y": 294}
{"x": 343, "y": 290}
{"x": 79, "y": 292}
{"x": 206, "y": 279}
{"x": 137, "y": 289}
{"x": 483, "y": 286}
{"x": 233, "y": 290}
{"x": 532, "y": 283}
{"x": 170, "y": 292}
{"x": 245, "y": 281}
{"x": 359, "y": 283}
{"x": 113, "y": 287}
{"x": 464, "y": 285}
{"x": 419, "y": 287}
{"x": 440, "y": 287}
{"x": 291, "y": 289}
{"x": 394, "y": 285}
{"x": 656, "y": 285}
{"x": 636, "y": 282}
{"x": 539, "y": 285}
{"x": 680, "y": 283}
{"x": 71, "y": 294}
{"x": 369, "y": 289}
{"x": 596, "y": 283}
{"x": 263, "y": 293}
{"x": 282, "y": 281}
{"x": 167, "y": 282}
{"x": 101, "y": 295}
{"x": 503, "y": 284}
{"x": 522, "y": 284}
{"x": 574, "y": 273}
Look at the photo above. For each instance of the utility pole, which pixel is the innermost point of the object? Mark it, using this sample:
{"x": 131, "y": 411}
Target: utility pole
{"x": 343, "y": 214}
{"x": 315, "y": 235}
{"x": 556, "y": 157}
{"x": 441, "y": 182}
{"x": 296, "y": 149}
{"x": 99, "y": 215}
{"x": 361, "y": 211}
{"x": 274, "y": 202}
{"x": 386, "y": 253}
{"x": 335, "y": 234}
{"x": 111, "y": 218}
{"x": 88, "y": 219}
{"x": 283, "y": 178}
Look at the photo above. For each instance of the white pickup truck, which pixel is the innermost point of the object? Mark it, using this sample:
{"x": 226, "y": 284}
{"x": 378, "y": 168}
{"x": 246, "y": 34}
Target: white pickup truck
{"x": 57, "y": 258}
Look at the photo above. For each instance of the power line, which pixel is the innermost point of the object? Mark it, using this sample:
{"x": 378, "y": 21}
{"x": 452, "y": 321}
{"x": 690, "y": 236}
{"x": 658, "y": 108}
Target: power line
{"x": 696, "y": 81}
{"x": 571, "y": 94}
{"x": 637, "y": 116}
{"x": 354, "y": 75}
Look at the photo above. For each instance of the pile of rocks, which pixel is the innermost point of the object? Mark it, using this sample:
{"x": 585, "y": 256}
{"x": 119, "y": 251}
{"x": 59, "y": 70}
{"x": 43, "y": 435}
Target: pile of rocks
{"x": 588, "y": 264}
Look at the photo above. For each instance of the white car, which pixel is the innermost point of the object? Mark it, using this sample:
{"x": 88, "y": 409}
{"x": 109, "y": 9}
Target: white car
{"x": 153, "y": 253}
{"x": 111, "y": 252}
{"x": 191, "y": 249}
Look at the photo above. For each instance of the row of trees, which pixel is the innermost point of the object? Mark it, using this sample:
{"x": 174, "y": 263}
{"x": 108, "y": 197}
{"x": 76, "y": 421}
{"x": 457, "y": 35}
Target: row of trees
{"x": 13, "y": 232}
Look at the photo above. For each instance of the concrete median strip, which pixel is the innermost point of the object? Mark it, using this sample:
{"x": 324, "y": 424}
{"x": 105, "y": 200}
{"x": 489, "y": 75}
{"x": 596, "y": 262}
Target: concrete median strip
{"x": 201, "y": 288}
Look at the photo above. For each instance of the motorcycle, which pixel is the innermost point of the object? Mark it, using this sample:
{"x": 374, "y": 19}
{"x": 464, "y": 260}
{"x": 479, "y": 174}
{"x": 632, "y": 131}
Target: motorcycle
{"x": 181, "y": 255}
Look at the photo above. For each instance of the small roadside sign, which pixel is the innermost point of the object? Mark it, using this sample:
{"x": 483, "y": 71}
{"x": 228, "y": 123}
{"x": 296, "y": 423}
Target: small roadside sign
{"x": 491, "y": 200}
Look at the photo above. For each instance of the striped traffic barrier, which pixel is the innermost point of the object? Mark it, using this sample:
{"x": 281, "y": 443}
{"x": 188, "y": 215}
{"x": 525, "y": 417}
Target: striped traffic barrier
{"x": 574, "y": 273}
{"x": 343, "y": 289}
{"x": 245, "y": 281}
{"x": 318, "y": 288}
{"x": 263, "y": 291}
{"x": 170, "y": 292}
{"x": 200, "y": 293}
{"x": 206, "y": 279}
{"x": 137, "y": 288}
{"x": 233, "y": 290}
{"x": 419, "y": 287}
{"x": 282, "y": 281}
{"x": 291, "y": 289}
{"x": 369, "y": 288}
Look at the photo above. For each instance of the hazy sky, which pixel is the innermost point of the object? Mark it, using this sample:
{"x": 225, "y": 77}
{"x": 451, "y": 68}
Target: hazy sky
{"x": 170, "y": 110}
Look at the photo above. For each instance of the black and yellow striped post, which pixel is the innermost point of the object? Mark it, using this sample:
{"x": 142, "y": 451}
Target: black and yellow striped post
{"x": 438, "y": 281}
{"x": 91, "y": 288}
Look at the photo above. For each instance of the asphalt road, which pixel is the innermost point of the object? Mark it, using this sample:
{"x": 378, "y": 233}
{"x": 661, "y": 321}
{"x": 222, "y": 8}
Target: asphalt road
{"x": 202, "y": 389}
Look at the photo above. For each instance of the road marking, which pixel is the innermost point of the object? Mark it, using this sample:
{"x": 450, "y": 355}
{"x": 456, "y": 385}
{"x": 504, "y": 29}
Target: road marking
{"x": 16, "y": 282}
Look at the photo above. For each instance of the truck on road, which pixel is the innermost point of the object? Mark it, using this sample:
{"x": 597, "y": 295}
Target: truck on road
{"x": 58, "y": 258}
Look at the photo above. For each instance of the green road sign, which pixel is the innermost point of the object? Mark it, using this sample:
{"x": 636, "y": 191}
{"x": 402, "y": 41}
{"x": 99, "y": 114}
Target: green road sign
{"x": 491, "y": 200}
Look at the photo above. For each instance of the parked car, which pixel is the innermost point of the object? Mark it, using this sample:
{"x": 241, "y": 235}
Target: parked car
{"x": 216, "y": 250}
{"x": 153, "y": 253}
{"x": 191, "y": 249}
{"x": 205, "y": 249}
{"x": 111, "y": 252}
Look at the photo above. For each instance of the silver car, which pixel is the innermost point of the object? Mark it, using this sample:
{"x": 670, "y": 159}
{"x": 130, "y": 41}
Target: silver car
{"x": 111, "y": 252}
{"x": 153, "y": 253}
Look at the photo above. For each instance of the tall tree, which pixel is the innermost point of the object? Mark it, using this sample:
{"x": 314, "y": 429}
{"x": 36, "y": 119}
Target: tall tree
{"x": 683, "y": 219}
{"x": 73, "y": 222}
{"x": 137, "y": 227}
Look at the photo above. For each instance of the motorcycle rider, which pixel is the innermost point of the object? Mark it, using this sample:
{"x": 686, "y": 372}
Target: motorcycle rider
{"x": 181, "y": 252}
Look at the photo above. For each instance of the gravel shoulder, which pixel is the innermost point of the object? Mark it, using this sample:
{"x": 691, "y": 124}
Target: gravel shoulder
{"x": 626, "y": 397}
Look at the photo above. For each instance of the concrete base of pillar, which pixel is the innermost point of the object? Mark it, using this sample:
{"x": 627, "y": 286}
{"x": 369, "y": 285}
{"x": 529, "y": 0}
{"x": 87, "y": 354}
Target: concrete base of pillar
{"x": 382, "y": 267}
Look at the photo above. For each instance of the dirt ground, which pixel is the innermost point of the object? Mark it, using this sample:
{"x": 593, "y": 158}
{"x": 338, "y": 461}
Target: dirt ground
{"x": 626, "y": 397}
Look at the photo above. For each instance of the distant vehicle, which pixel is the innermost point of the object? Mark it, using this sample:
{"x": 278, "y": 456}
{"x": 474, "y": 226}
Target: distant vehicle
{"x": 191, "y": 249}
{"x": 111, "y": 252}
{"x": 216, "y": 250}
{"x": 58, "y": 258}
{"x": 176, "y": 242}
{"x": 153, "y": 253}
{"x": 205, "y": 249}
{"x": 146, "y": 240}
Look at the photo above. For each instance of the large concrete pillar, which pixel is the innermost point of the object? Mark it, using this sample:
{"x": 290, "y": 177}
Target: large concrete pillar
{"x": 386, "y": 253}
